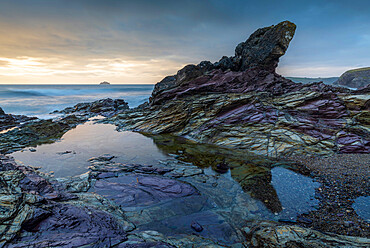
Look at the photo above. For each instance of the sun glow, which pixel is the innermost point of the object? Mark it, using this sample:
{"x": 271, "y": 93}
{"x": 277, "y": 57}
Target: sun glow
{"x": 36, "y": 70}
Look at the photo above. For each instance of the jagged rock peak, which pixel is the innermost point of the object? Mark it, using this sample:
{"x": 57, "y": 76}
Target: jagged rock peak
{"x": 260, "y": 52}
{"x": 2, "y": 111}
{"x": 264, "y": 47}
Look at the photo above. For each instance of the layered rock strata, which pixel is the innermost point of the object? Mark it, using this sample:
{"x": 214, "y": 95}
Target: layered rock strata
{"x": 104, "y": 107}
{"x": 37, "y": 132}
{"x": 8, "y": 121}
{"x": 241, "y": 102}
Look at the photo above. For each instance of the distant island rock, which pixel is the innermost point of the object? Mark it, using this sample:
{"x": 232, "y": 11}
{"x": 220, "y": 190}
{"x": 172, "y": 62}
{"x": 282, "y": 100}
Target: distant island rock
{"x": 104, "y": 83}
{"x": 356, "y": 78}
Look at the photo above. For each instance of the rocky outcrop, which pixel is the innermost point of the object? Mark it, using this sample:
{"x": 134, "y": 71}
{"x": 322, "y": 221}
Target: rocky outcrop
{"x": 29, "y": 131}
{"x": 43, "y": 210}
{"x": 37, "y": 132}
{"x": 104, "y": 107}
{"x": 313, "y": 119}
{"x": 267, "y": 234}
{"x": 241, "y": 102}
{"x": 172, "y": 204}
{"x": 356, "y": 78}
{"x": 8, "y": 121}
{"x": 261, "y": 50}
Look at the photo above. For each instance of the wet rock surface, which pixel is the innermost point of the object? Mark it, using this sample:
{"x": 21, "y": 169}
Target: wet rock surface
{"x": 103, "y": 107}
{"x": 137, "y": 191}
{"x": 37, "y": 132}
{"x": 267, "y": 234}
{"x": 34, "y": 205}
{"x": 129, "y": 205}
{"x": 67, "y": 216}
{"x": 8, "y": 121}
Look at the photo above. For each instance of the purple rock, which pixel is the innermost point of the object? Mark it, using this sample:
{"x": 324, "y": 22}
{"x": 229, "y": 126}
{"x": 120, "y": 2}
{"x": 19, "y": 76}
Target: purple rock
{"x": 196, "y": 226}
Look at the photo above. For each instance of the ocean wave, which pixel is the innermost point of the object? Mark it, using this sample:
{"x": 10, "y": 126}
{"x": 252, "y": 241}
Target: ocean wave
{"x": 37, "y": 100}
{"x": 35, "y": 91}
{"x": 16, "y": 93}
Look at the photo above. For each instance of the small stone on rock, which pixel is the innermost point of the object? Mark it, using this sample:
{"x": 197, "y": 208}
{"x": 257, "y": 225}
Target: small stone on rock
{"x": 196, "y": 226}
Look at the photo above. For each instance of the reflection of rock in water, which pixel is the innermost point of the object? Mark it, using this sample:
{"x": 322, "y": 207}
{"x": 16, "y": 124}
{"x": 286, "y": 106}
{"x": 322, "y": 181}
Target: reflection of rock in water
{"x": 257, "y": 182}
{"x": 250, "y": 171}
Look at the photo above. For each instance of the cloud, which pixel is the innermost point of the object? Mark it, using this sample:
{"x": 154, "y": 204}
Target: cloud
{"x": 49, "y": 70}
{"x": 74, "y": 35}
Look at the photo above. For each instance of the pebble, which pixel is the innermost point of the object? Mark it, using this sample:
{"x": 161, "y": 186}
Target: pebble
{"x": 196, "y": 226}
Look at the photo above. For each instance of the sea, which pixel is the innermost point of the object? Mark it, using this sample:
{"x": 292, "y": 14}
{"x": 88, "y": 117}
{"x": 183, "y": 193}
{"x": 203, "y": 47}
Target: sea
{"x": 41, "y": 100}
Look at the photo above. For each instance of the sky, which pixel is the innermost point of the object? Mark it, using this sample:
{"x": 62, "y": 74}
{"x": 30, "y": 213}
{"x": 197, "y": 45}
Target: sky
{"x": 133, "y": 42}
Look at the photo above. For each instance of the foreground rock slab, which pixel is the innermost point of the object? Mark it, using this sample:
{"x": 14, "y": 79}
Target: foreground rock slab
{"x": 272, "y": 235}
{"x": 40, "y": 210}
{"x": 121, "y": 205}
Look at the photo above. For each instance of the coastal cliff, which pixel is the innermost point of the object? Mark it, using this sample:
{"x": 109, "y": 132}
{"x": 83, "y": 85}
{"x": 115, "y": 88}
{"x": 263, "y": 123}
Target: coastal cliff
{"x": 356, "y": 78}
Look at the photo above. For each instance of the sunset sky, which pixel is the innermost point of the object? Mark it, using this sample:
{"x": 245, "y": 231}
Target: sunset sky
{"x": 88, "y": 41}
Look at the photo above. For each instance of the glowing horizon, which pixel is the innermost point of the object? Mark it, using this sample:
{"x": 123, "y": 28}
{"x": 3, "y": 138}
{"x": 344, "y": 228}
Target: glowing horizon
{"x": 125, "y": 42}
{"x": 31, "y": 70}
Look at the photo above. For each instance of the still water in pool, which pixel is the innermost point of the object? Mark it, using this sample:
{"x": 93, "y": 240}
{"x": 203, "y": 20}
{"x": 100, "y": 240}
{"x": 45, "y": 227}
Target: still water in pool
{"x": 282, "y": 193}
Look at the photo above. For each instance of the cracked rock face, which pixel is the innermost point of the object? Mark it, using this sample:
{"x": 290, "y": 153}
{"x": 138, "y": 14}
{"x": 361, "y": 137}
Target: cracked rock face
{"x": 313, "y": 119}
{"x": 264, "y": 47}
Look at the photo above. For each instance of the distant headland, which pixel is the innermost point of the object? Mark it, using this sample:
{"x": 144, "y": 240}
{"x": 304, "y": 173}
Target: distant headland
{"x": 104, "y": 83}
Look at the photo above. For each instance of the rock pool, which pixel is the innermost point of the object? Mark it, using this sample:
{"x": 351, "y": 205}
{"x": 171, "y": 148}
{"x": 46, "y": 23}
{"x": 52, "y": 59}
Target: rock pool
{"x": 278, "y": 193}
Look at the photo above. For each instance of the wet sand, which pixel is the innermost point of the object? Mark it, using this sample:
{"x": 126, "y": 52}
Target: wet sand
{"x": 343, "y": 178}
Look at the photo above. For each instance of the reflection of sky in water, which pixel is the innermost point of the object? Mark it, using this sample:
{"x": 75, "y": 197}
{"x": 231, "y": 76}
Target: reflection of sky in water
{"x": 296, "y": 192}
{"x": 91, "y": 140}
{"x": 288, "y": 190}
{"x": 362, "y": 207}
